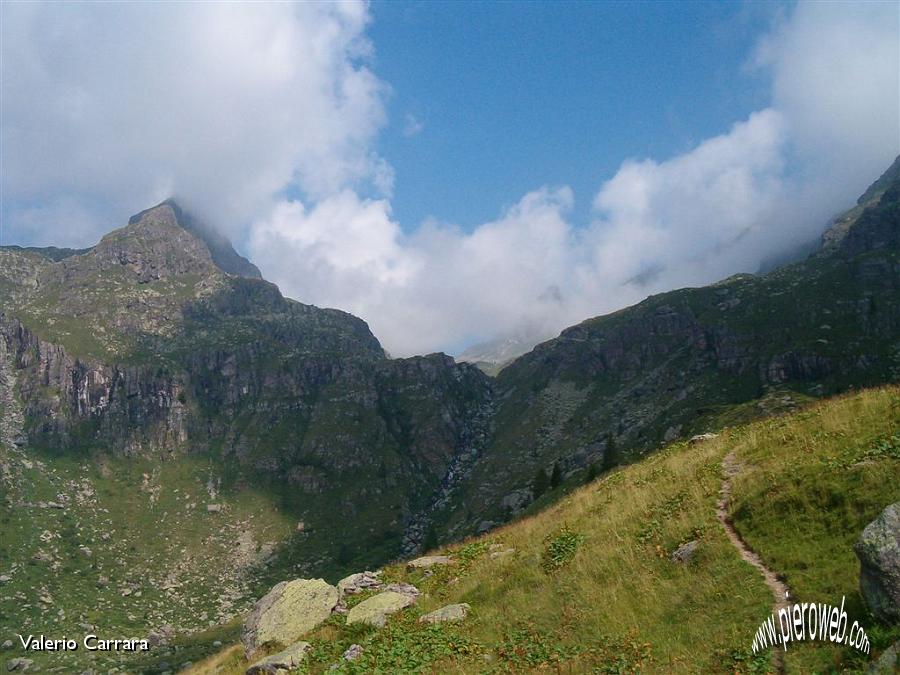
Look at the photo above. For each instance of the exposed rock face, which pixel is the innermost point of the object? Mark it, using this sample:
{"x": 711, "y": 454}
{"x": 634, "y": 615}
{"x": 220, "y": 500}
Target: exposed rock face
{"x": 149, "y": 345}
{"x": 670, "y": 363}
{"x": 281, "y": 663}
{"x": 878, "y": 550}
{"x": 375, "y": 610}
{"x": 289, "y": 610}
{"x": 446, "y": 613}
{"x": 220, "y": 249}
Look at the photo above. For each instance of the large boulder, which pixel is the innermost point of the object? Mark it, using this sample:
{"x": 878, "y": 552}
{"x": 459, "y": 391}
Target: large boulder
{"x": 375, "y": 610}
{"x": 289, "y": 610}
{"x": 282, "y": 662}
{"x": 878, "y": 550}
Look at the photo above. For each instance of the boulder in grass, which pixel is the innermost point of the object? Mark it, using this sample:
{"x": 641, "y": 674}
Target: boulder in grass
{"x": 403, "y": 588}
{"x": 359, "y": 582}
{"x": 685, "y": 553}
{"x": 428, "y": 561}
{"x": 289, "y": 610}
{"x": 375, "y": 610}
{"x": 446, "y": 613}
{"x": 282, "y": 662}
{"x": 352, "y": 653}
{"x": 878, "y": 550}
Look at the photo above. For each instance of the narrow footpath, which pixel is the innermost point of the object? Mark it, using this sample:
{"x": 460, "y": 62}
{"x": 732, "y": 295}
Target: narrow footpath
{"x": 779, "y": 589}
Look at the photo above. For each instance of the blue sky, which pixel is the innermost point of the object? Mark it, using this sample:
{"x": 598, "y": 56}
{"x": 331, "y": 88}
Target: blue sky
{"x": 512, "y": 96}
{"x": 453, "y": 172}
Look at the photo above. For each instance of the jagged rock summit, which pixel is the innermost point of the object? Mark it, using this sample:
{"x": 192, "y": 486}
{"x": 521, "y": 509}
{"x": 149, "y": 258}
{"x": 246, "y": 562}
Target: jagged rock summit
{"x": 221, "y": 251}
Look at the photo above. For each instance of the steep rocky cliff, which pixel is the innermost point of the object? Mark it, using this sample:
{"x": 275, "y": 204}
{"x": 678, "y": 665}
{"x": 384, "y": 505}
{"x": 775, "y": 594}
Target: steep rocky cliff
{"x": 145, "y": 346}
{"x": 691, "y": 360}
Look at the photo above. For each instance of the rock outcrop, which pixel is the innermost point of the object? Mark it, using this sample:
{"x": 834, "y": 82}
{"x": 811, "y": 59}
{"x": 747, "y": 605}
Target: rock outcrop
{"x": 287, "y": 612}
{"x": 878, "y": 550}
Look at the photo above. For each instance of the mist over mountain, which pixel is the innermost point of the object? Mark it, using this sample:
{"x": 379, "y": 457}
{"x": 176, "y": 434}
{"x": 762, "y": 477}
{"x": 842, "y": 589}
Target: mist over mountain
{"x": 296, "y": 167}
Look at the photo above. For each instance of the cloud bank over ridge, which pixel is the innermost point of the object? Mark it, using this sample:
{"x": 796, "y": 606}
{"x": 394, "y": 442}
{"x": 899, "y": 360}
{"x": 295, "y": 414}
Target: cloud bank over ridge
{"x": 267, "y": 123}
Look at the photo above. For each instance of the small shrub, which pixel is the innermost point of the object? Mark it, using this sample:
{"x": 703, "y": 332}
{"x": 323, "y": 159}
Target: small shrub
{"x": 561, "y": 549}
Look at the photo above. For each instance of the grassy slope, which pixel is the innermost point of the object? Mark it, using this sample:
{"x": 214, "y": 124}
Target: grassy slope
{"x": 811, "y": 481}
{"x": 145, "y": 526}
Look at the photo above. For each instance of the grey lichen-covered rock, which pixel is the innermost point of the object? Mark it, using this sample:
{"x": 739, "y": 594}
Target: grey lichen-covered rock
{"x": 428, "y": 561}
{"x": 886, "y": 664}
{"x": 700, "y": 438}
{"x": 403, "y": 588}
{"x": 685, "y": 553}
{"x": 446, "y": 613}
{"x": 878, "y": 550}
{"x": 282, "y": 662}
{"x": 19, "y": 665}
{"x": 500, "y": 551}
{"x": 289, "y": 610}
{"x": 375, "y": 610}
{"x": 356, "y": 583}
{"x": 352, "y": 653}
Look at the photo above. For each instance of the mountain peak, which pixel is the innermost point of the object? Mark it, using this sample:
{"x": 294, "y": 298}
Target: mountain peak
{"x": 221, "y": 251}
{"x": 884, "y": 189}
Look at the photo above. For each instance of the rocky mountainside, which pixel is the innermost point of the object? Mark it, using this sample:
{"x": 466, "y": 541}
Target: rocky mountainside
{"x": 617, "y": 386}
{"x": 145, "y": 346}
{"x": 156, "y": 373}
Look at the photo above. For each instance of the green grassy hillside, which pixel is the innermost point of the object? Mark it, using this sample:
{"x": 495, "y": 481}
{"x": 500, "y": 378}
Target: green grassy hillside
{"x": 589, "y": 585}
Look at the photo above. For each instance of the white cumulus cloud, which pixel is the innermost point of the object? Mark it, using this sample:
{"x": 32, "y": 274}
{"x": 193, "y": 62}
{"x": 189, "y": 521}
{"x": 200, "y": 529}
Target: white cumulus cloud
{"x": 264, "y": 118}
{"x": 113, "y": 106}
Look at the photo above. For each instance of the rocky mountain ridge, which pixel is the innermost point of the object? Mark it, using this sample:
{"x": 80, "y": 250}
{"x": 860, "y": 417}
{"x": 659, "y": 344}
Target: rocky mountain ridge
{"x": 159, "y": 342}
